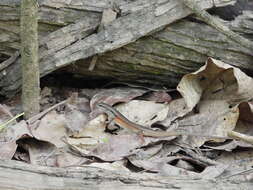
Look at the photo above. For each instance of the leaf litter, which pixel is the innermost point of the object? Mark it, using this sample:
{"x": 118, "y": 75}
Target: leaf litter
{"x": 214, "y": 101}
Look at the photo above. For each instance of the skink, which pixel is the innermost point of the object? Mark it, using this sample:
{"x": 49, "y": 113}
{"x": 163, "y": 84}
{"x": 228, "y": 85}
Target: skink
{"x": 116, "y": 117}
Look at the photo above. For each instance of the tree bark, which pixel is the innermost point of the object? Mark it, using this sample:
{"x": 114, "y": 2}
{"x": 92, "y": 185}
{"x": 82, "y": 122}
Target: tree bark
{"x": 29, "y": 58}
{"x": 161, "y": 57}
{"x": 17, "y": 175}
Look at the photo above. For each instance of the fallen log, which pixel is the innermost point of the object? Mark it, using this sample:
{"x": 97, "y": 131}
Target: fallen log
{"x": 17, "y": 175}
{"x": 162, "y": 57}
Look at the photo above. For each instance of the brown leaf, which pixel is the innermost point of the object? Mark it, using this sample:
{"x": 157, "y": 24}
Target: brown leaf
{"x": 215, "y": 90}
{"x": 65, "y": 159}
{"x": 161, "y": 166}
{"x": 150, "y": 113}
{"x": 117, "y": 148}
{"x": 41, "y": 153}
{"x": 7, "y": 150}
{"x": 75, "y": 120}
{"x": 118, "y": 166}
{"x": 237, "y": 159}
{"x": 115, "y": 95}
{"x": 9, "y": 136}
{"x": 52, "y": 128}
{"x": 212, "y": 172}
{"x": 159, "y": 97}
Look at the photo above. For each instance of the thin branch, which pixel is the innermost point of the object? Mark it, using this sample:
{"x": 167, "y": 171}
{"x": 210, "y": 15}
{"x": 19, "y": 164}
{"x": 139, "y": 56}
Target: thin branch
{"x": 214, "y": 22}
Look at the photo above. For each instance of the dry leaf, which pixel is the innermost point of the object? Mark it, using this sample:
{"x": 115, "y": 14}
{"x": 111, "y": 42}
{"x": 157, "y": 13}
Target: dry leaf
{"x": 7, "y": 150}
{"x": 115, "y": 166}
{"x": 115, "y": 95}
{"x": 9, "y": 136}
{"x": 159, "y": 97}
{"x": 91, "y": 135}
{"x": 118, "y": 147}
{"x": 215, "y": 89}
{"x": 65, "y": 159}
{"x": 41, "y": 153}
{"x": 52, "y": 128}
{"x": 75, "y": 120}
{"x": 150, "y": 113}
{"x": 212, "y": 172}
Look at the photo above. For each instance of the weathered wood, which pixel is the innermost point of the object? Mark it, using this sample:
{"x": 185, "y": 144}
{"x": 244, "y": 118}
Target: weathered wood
{"x": 17, "y": 175}
{"x": 138, "y": 18}
{"x": 167, "y": 55}
{"x": 214, "y": 22}
{"x": 122, "y": 31}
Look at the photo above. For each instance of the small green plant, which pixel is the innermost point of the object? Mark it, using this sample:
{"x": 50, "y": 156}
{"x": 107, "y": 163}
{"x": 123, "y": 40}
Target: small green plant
{"x": 2, "y": 126}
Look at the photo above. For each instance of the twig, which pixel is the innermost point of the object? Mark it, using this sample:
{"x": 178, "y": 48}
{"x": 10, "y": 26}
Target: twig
{"x": 214, "y": 22}
{"x": 108, "y": 16}
{"x": 240, "y": 136}
{"x": 41, "y": 114}
{"x": 93, "y": 63}
{"x": 238, "y": 173}
{"x": 201, "y": 158}
{"x": 9, "y": 61}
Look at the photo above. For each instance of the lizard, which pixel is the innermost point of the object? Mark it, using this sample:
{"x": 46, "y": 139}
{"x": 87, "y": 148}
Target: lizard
{"x": 117, "y": 118}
